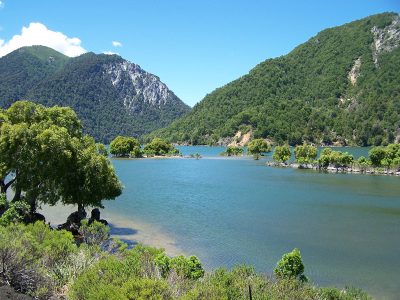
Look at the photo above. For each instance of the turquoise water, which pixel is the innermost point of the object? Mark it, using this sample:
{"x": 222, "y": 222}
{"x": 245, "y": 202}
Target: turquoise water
{"x": 233, "y": 211}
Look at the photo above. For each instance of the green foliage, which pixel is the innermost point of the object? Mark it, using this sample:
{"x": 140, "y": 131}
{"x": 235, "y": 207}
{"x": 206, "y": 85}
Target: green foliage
{"x": 306, "y": 95}
{"x": 337, "y": 159}
{"x": 258, "y": 146}
{"x": 159, "y": 147}
{"x": 42, "y": 262}
{"x": 123, "y": 146}
{"x": 3, "y": 203}
{"x": 31, "y": 255}
{"x": 305, "y": 154}
{"x": 51, "y": 160}
{"x": 187, "y": 267}
{"x": 16, "y": 212}
{"x": 101, "y": 149}
{"x": 388, "y": 156}
{"x": 232, "y": 151}
{"x": 94, "y": 234}
{"x": 146, "y": 289}
{"x": 282, "y": 154}
{"x": 163, "y": 262}
{"x": 291, "y": 266}
{"x": 43, "y": 75}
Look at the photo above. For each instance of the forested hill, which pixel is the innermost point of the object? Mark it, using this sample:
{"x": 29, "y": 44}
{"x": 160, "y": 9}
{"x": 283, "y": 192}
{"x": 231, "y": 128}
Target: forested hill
{"x": 340, "y": 87}
{"x": 110, "y": 95}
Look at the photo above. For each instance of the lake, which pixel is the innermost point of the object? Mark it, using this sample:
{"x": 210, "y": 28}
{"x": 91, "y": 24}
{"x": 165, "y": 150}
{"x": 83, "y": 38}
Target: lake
{"x": 231, "y": 211}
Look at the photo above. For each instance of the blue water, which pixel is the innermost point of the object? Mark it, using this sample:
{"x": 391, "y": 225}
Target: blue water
{"x": 232, "y": 211}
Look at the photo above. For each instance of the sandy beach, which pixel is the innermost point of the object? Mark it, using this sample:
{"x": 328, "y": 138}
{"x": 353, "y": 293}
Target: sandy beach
{"x": 128, "y": 230}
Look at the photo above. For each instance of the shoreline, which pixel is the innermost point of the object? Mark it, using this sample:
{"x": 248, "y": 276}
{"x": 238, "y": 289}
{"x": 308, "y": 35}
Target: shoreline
{"x": 330, "y": 169}
{"x": 128, "y": 230}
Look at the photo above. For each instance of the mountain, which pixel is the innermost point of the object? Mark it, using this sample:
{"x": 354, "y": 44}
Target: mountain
{"x": 111, "y": 95}
{"x": 340, "y": 87}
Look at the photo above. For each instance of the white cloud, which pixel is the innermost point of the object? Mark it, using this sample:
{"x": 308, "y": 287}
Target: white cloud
{"x": 107, "y": 52}
{"x": 38, "y": 34}
{"x": 1, "y": 4}
{"x": 116, "y": 44}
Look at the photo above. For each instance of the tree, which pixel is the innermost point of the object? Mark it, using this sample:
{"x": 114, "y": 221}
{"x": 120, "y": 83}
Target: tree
{"x": 123, "y": 146}
{"x": 48, "y": 158}
{"x": 305, "y": 154}
{"x": 376, "y": 155}
{"x": 282, "y": 153}
{"x": 232, "y": 151}
{"x": 291, "y": 266}
{"x": 159, "y": 147}
{"x": 258, "y": 146}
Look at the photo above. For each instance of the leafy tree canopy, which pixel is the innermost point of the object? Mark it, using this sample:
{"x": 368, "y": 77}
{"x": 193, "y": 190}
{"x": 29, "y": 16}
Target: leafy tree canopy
{"x": 47, "y": 157}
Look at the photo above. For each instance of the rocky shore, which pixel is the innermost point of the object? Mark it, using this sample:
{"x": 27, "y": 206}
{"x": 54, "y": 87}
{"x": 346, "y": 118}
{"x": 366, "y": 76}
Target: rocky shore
{"x": 333, "y": 169}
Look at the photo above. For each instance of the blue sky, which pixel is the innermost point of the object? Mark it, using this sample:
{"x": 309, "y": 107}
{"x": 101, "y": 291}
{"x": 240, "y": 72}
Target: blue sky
{"x": 193, "y": 46}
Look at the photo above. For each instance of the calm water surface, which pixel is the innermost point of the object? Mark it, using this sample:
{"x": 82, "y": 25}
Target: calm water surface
{"x": 232, "y": 211}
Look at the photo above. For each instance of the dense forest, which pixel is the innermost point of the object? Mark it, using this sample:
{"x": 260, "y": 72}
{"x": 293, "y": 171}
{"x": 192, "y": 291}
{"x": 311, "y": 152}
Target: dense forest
{"x": 340, "y": 87}
{"x": 86, "y": 84}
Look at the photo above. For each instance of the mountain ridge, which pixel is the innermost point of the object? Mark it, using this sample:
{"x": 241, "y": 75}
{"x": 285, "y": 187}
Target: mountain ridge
{"x": 340, "y": 87}
{"x": 111, "y": 95}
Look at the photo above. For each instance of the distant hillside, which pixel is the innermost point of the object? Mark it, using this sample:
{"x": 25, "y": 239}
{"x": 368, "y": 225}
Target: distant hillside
{"x": 110, "y": 95}
{"x": 340, "y": 87}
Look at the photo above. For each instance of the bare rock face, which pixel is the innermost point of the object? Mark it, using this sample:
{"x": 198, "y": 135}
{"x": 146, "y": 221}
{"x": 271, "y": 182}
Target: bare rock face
{"x": 355, "y": 71}
{"x": 137, "y": 87}
{"x": 386, "y": 39}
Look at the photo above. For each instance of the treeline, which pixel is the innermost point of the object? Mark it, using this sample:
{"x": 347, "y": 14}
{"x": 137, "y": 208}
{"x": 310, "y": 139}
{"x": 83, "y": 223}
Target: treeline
{"x": 123, "y": 146}
{"x": 379, "y": 158}
{"x": 307, "y": 96}
{"x": 45, "y": 76}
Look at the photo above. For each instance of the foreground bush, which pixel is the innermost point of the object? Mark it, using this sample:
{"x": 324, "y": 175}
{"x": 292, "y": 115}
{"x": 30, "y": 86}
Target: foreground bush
{"x": 44, "y": 263}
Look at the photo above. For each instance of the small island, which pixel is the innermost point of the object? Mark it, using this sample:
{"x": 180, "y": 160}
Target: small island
{"x": 382, "y": 160}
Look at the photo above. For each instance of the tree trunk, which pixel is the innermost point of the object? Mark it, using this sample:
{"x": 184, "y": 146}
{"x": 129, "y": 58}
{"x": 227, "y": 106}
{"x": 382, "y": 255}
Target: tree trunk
{"x": 18, "y": 193}
{"x": 32, "y": 207}
{"x": 5, "y": 186}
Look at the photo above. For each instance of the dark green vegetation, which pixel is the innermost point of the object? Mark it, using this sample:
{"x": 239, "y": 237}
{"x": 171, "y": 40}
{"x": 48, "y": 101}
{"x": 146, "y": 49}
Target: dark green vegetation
{"x": 305, "y": 154}
{"x": 281, "y": 153}
{"x": 46, "y": 159}
{"x": 338, "y": 87}
{"x": 233, "y": 151}
{"x": 258, "y": 146}
{"x": 48, "y": 263}
{"x": 123, "y": 146}
{"x": 381, "y": 159}
{"x": 97, "y": 87}
{"x": 159, "y": 147}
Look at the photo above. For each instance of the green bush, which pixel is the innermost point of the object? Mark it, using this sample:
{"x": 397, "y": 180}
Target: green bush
{"x": 258, "y": 146}
{"x": 159, "y": 147}
{"x": 122, "y": 146}
{"x": 291, "y": 266}
{"x": 305, "y": 154}
{"x": 232, "y": 151}
{"x": 95, "y": 233}
{"x": 282, "y": 154}
{"x": 17, "y": 212}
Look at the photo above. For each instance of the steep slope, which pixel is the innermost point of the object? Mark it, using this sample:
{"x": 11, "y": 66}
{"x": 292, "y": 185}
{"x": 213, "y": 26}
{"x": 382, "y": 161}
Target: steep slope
{"x": 111, "y": 95}
{"x": 342, "y": 86}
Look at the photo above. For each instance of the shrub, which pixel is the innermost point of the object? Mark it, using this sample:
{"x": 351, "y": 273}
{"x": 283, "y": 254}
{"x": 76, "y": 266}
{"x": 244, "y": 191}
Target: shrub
{"x": 282, "y": 153}
{"x": 94, "y": 234}
{"x": 258, "y": 146}
{"x": 291, "y": 266}
{"x": 17, "y": 212}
